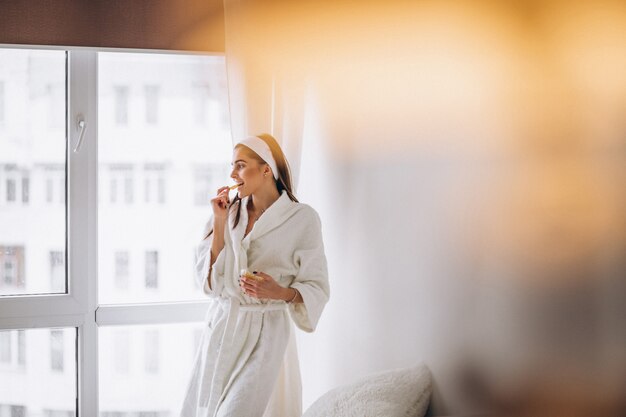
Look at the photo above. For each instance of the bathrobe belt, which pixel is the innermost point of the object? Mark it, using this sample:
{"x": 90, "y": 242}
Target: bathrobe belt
{"x": 212, "y": 394}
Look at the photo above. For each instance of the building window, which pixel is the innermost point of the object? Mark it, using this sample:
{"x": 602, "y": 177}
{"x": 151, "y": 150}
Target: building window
{"x": 152, "y": 267}
{"x": 56, "y": 350}
{"x": 161, "y": 190}
{"x": 151, "y": 339}
{"x": 10, "y": 190}
{"x": 25, "y": 189}
{"x": 14, "y": 184}
{"x": 121, "y": 105}
{"x": 128, "y": 189}
{"x": 10, "y": 271}
{"x": 11, "y": 267}
{"x": 121, "y": 184}
{"x": 152, "y": 104}
{"x": 12, "y": 348}
{"x": 147, "y": 190}
{"x": 57, "y": 271}
{"x": 21, "y": 347}
{"x": 121, "y": 269}
{"x": 154, "y": 183}
{"x": 5, "y": 346}
{"x": 15, "y": 411}
{"x": 121, "y": 181}
{"x": 55, "y": 174}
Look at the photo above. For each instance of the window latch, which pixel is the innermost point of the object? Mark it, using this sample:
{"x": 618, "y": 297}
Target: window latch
{"x": 82, "y": 126}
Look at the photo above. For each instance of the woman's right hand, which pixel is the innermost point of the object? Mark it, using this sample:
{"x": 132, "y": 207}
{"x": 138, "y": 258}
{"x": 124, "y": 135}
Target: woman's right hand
{"x": 220, "y": 204}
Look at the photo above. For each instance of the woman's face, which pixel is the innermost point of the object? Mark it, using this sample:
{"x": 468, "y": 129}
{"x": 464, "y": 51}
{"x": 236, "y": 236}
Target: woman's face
{"x": 246, "y": 171}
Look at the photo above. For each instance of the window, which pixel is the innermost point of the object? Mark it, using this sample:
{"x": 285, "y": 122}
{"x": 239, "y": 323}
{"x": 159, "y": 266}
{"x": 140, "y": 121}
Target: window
{"x": 21, "y": 347}
{"x": 121, "y": 184}
{"x": 55, "y": 183}
{"x": 121, "y": 105}
{"x": 152, "y": 269}
{"x": 121, "y": 270}
{"x": 35, "y": 387}
{"x": 56, "y": 350}
{"x": 154, "y": 183}
{"x": 15, "y": 182}
{"x": 57, "y": 271}
{"x": 140, "y": 361}
{"x": 25, "y": 189}
{"x": 146, "y": 172}
{"x": 151, "y": 172}
{"x": 5, "y": 347}
{"x": 12, "y": 410}
{"x": 12, "y": 350}
{"x": 33, "y": 108}
{"x": 152, "y": 104}
{"x": 11, "y": 269}
{"x": 10, "y": 190}
{"x": 128, "y": 189}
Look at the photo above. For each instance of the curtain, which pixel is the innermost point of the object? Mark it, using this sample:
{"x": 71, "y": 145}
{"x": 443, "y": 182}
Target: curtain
{"x": 467, "y": 160}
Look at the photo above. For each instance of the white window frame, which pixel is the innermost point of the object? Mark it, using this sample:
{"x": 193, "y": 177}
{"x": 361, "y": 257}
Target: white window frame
{"x": 79, "y": 307}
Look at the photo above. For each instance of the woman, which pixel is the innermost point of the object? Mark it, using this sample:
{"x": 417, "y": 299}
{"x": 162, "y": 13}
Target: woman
{"x": 247, "y": 363}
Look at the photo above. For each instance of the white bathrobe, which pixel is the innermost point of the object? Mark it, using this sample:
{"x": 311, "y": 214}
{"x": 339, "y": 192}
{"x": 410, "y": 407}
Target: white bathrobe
{"x": 247, "y": 362}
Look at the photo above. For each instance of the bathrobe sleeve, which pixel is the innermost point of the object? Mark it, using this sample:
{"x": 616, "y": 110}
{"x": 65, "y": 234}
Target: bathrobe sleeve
{"x": 203, "y": 264}
{"x": 312, "y": 277}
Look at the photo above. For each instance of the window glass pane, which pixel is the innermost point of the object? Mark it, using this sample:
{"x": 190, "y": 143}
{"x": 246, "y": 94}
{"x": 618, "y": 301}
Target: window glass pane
{"x": 32, "y": 169}
{"x": 38, "y": 372}
{"x": 164, "y": 147}
{"x": 144, "y": 370}
{"x": 57, "y": 270}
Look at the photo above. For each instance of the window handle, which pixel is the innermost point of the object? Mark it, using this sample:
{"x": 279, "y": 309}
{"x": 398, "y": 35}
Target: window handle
{"x": 82, "y": 125}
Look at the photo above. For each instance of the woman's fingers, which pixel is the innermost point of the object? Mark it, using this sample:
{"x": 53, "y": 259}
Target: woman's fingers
{"x": 265, "y": 287}
{"x": 222, "y": 197}
{"x": 249, "y": 288}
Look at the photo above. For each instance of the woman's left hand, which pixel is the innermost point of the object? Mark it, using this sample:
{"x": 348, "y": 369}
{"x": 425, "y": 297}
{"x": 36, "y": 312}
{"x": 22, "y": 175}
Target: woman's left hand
{"x": 265, "y": 287}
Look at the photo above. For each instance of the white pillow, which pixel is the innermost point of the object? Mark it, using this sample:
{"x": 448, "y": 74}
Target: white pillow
{"x": 396, "y": 393}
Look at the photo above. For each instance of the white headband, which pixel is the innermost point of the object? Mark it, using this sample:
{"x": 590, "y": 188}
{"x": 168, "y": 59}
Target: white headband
{"x": 261, "y": 148}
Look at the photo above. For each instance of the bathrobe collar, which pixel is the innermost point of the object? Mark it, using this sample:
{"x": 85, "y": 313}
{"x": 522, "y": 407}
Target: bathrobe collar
{"x": 274, "y": 216}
